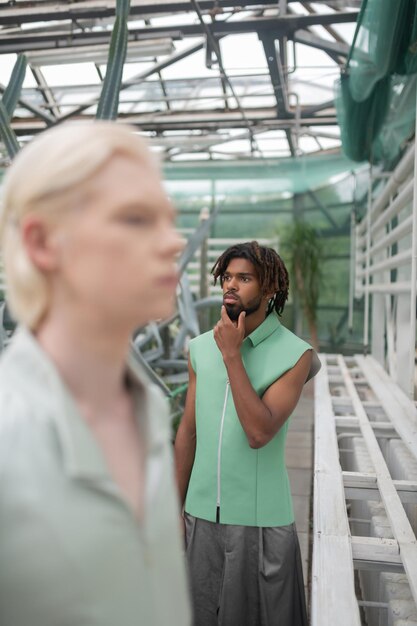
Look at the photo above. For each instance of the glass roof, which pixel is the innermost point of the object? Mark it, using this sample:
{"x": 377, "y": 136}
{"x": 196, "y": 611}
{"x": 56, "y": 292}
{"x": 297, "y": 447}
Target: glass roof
{"x": 268, "y": 94}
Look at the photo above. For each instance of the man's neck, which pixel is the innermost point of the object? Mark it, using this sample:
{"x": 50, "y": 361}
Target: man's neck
{"x": 253, "y": 321}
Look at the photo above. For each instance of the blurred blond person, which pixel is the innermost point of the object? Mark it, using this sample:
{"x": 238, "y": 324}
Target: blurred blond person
{"x": 89, "y": 528}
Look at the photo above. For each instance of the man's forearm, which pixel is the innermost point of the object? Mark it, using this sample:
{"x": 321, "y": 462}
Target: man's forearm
{"x": 253, "y": 414}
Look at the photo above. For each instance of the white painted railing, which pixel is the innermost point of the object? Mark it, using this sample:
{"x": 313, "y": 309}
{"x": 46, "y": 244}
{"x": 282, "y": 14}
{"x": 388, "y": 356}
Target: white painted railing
{"x": 385, "y": 272}
{"x": 365, "y": 497}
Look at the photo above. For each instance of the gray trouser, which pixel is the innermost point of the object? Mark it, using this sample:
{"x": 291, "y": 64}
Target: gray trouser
{"x": 244, "y": 575}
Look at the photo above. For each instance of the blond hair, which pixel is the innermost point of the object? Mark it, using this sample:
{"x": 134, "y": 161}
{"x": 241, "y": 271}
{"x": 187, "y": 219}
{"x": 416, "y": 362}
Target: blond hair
{"x": 45, "y": 178}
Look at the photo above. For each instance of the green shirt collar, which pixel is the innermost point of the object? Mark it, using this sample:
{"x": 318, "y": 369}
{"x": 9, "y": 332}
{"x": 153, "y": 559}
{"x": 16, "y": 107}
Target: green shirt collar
{"x": 270, "y": 324}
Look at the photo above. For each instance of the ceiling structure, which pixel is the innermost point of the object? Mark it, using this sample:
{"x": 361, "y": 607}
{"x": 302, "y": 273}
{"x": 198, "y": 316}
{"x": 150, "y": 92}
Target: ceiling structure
{"x": 205, "y": 79}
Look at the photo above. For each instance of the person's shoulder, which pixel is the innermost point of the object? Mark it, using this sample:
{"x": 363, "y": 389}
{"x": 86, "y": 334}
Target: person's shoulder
{"x": 203, "y": 339}
{"x": 16, "y": 359}
{"x": 12, "y": 405}
{"x": 17, "y": 423}
{"x": 287, "y": 335}
{"x": 13, "y": 384}
{"x": 26, "y": 400}
{"x": 300, "y": 347}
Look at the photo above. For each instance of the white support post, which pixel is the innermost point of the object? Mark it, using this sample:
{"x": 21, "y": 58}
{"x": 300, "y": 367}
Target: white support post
{"x": 282, "y": 7}
{"x": 368, "y": 262}
{"x": 413, "y": 284}
{"x": 404, "y": 340}
{"x": 352, "y": 269}
{"x": 377, "y": 307}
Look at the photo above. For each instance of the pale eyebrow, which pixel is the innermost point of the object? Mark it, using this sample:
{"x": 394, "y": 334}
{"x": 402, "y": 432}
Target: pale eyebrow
{"x": 133, "y": 206}
{"x": 146, "y": 208}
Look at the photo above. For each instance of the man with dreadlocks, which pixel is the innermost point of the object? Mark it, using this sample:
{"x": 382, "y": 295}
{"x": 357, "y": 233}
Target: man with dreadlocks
{"x": 245, "y": 379}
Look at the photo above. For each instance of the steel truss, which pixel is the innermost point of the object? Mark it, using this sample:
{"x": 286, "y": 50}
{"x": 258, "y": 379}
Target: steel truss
{"x": 69, "y": 28}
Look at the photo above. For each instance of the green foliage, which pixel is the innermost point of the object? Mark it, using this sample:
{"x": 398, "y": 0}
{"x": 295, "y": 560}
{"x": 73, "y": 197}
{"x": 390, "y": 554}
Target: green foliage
{"x": 12, "y": 92}
{"x": 123, "y": 8}
{"x": 7, "y": 134}
{"x": 304, "y": 253}
{"x": 8, "y": 104}
{"x": 109, "y": 98}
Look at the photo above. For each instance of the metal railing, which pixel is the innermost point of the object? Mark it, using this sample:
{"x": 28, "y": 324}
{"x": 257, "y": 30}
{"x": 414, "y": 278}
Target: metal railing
{"x": 365, "y": 506}
{"x": 385, "y": 272}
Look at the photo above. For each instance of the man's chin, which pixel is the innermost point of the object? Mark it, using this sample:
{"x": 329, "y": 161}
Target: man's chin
{"x": 233, "y": 312}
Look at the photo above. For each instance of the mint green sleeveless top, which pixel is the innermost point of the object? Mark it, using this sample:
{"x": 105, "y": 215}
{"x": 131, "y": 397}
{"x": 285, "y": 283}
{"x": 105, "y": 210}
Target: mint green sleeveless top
{"x": 250, "y": 487}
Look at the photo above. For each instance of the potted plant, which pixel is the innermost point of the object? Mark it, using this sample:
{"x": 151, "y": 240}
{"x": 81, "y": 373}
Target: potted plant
{"x": 303, "y": 252}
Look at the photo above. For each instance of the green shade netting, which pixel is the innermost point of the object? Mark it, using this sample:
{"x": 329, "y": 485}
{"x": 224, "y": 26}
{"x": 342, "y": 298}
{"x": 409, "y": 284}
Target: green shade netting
{"x": 410, "y": 60}
{"x": 374, "y": 98}
{"x": 382, "y": 39}
{"x": 256, "y": 180}
{"x": 360, "y": 122}
{"x": 399, "y": 123}
{"x": 254, "y": 198}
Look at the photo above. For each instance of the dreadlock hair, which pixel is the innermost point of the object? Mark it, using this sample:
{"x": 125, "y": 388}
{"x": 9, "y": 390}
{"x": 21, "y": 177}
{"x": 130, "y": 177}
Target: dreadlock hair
{"x": 269, "y": 266}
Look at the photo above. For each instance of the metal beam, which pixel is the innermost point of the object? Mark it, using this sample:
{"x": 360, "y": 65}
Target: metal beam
{"x": 279, "y": 84}
{"x": 28, "y": 12}
{"x": 259, "y": 79}
{"x": 223, "y": 119}
{"x": 322, "y": 208}
{"x": 136, "y": 80}
{"x": 197, "y": 143}
{"x": 277, "y": 75}
{"x": 52, "y": 11}
{"x": 333, "y": 48}
{"x": 45, "y": 117}
{"x": 329, "y": 29}
{"x": 308, "y": 111}
{"x": 281, "y": 26}
{"x": 255, "y": 80}
{"x": 46, "y": 91}
{"x": 191, "y": 120}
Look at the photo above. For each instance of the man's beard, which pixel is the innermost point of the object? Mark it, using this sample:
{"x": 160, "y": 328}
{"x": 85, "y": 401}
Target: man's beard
{"x": 234, "y": 310}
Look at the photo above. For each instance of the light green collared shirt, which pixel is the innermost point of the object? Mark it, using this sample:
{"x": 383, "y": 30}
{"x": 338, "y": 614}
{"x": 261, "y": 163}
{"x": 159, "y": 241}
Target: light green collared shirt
{"x": 71, "y": 550}
{"x": 230, "y": 481}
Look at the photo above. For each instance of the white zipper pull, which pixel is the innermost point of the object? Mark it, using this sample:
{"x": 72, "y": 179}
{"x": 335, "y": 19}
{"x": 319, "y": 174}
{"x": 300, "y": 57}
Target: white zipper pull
{"x": 219, "y": 449}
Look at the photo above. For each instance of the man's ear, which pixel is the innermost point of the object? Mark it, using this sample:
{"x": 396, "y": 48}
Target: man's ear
{"x": 268, "y": 296}
{"x": 39, "y": 241}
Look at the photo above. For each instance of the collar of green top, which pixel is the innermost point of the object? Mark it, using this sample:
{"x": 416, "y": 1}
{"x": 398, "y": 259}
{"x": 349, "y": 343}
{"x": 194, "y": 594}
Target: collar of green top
{"x": 270, "y": 324}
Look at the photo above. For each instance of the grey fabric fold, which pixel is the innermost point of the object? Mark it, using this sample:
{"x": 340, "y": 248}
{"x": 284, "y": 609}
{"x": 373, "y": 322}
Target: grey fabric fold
{"x": 244, "y": 575}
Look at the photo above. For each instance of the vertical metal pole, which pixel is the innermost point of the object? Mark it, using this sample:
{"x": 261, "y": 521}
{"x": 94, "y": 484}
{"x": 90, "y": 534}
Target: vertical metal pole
{"x": 413, "y": 281}
{"x": 298, "y": 312}
{"x": 368, "y": 264}
{"x": 204, "y": 215}
{"x": 352, "y": 270}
